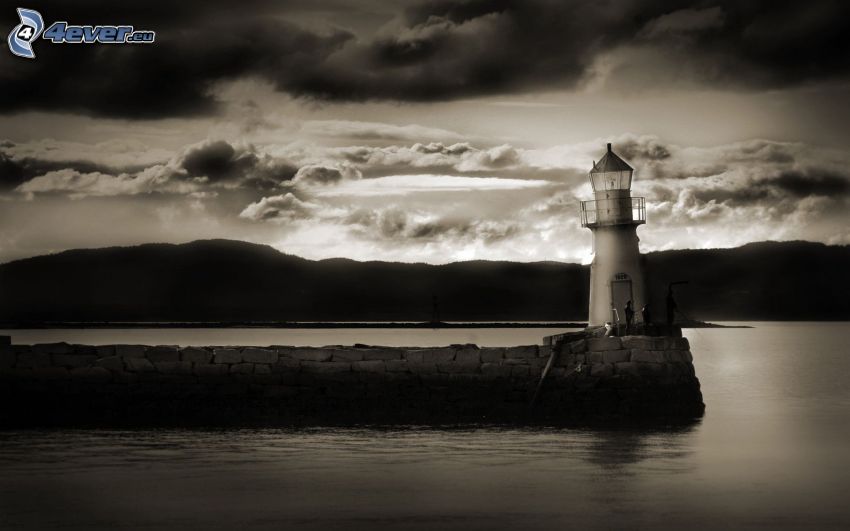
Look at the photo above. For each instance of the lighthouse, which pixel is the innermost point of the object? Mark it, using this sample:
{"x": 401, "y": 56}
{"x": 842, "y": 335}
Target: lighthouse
{"x": 616, "y": 274}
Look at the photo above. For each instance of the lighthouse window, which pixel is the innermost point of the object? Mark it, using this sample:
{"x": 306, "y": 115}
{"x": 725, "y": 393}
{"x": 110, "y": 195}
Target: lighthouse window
{"x": 621, "y": 276}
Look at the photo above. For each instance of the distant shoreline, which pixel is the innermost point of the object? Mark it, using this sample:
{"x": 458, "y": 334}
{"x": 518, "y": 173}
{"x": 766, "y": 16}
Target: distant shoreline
{"x": 325, "y": 325}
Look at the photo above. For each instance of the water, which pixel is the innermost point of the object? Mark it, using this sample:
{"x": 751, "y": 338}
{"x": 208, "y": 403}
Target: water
{"x": 771, "y": 452}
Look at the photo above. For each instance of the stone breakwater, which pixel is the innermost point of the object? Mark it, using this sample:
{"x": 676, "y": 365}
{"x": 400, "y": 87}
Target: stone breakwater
{"x": 589, "y": 380}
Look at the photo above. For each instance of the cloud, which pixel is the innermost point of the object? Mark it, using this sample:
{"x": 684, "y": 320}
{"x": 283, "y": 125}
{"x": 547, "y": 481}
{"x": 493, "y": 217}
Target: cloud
{"x": 319, "y": 175}
{"x": 357, "y": 130}
{"x": 430, "y": 51}
{"x": 77, "y": 185}
{"x": 279, "y": 209}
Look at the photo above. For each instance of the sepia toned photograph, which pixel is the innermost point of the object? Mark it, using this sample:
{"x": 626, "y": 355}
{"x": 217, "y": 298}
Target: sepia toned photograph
{"x": 425, "y": 265}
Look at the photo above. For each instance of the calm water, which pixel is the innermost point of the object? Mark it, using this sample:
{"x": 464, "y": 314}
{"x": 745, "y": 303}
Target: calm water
{"x": 771, "y": 452}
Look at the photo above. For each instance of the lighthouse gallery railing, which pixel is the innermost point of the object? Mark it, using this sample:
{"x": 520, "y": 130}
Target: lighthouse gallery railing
{"x": 613, "y": 211}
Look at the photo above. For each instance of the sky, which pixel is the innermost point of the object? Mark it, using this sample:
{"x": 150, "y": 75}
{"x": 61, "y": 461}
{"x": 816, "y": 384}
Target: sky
{"x": 426, "y": 131}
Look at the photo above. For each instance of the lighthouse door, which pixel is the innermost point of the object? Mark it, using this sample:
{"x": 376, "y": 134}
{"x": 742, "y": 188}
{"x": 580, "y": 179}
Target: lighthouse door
{"x": 621, "y": 293}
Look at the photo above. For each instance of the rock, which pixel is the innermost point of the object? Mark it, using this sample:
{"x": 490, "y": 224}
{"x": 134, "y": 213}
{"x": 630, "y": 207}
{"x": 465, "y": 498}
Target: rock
{"x": 262, "y": 368}
{"x": 163, "y": 353}
{"x": 113, "y": 363}
{"x": 227, "y": 355}
{"x": 195, "y": 355}
{"x": 73, "y": 360}
{"x": 369, "y": 366}
{"x": 130, "y": 351}
{"x": 596, "y": 344}
{"x": 681, "y": 343}
{"x": 242, "y": 368}
{"x": 616, "y": 356}
{"x": 52, "y": 348}
{"x": 259, "y": 355}
{"x": 347, "y": 355}
{"x": 523, "y": 352}
{"x": 306, "y": 354}
{"x": 32, "y": 360}
{"x": 209, "y": 369}
{"x": 492, "y": 354}
{"x": 139, "y": 365}
{"x": 173, "y": 367}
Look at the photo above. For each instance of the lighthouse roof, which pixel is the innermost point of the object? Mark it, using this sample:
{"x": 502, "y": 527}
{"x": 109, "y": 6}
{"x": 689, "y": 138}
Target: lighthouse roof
{"x": 610, "y": 162}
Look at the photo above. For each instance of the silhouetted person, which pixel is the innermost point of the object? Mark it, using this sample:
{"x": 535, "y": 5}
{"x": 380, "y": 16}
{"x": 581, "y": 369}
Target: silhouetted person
{"x": 671, "y": 306}
{"x": 647, "y": 317}
{"x": 630, "y": 316}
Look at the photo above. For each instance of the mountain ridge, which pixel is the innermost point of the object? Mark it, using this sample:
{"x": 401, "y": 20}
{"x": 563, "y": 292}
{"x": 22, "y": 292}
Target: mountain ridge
{"x": 231, "y": 280}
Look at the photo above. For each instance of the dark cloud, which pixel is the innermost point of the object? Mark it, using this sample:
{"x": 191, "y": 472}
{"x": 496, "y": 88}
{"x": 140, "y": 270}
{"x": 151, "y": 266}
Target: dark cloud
{"x": 434, "y": 51}
{"x": 813, "y": 183}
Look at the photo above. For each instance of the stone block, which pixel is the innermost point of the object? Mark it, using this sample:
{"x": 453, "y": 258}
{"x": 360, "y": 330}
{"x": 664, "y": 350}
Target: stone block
{"x": 50, "y": 373}
{"x": 681, "y": 343}
{"x": 286, "y": 365}
{"x": 104, "y": 351}
{"x": 492, "y": 354}
{"x": 522, "y": 352}
{"x": 629, "y": 368}
{"x": 468, "y": 357}
{"x": 616, "y": 356}
{"x": 7, "y": 359}
{"x": 87, "y": 350}
{"x": 565, "y": 359}
{"x": 173, "y": 367}
{"x": 544, "y": 351}
{"x": 209, "y": 369}
{"x": 113, "y": 363}
{"x": 369, "y": 366}
{"x": 32, "y": 360}
{"x": 452, "y": 367}
{"x": 638, "y": 342}
{"x": 597, "y": 344}
{"x": 438, "y": 355}
{"x": 227, "y": 355}
{"x": 139, "y": 365}
{"x": 347, "y": 355}
{"x": 262, "y": 368}
{"x": 496, "y": 370}
{"x": 663, "y": 343}
{"x": 397, "y": 366}
{"x": 91, "y": 374}
{"x": 259, "y": 355}
{"x": 163, "y": 353}
{"x": 578, "y": 347}
{"x": 602, "y": 370}
{"x": 130, "y": 351}
{"x": 306, "y": 354}
{"x": 195, "y": 355}
{"x": 520, "y": 371}
{"x": 52, "y": 348}
{"x": 382, "y": 354}
{"x": 648, "y": 356}
{"x": 326, "y": 367}
{"x": 242, "y": 368}
{"x": 594, "y": 357}
{"x": 73, "y": 360}
{"x": 422, "y": 367}
{"x": 687, "y": 357}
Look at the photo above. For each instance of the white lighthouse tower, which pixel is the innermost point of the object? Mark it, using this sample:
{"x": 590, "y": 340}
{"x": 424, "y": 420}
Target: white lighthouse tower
{"x": 616, "y": 275}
